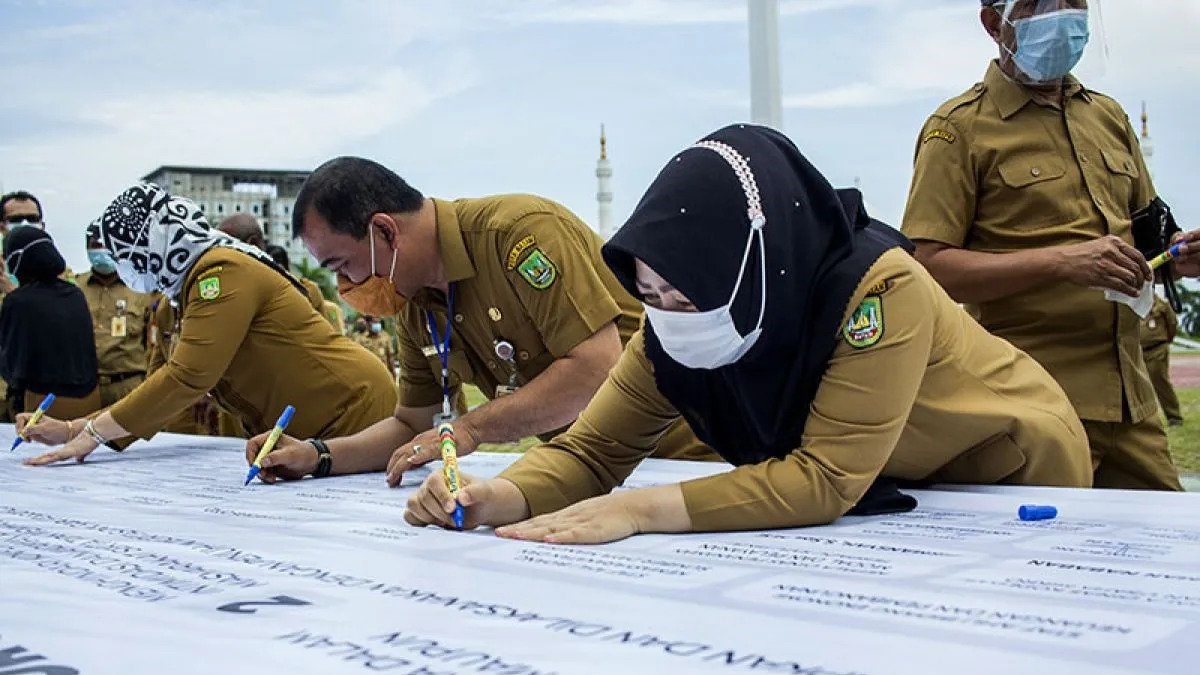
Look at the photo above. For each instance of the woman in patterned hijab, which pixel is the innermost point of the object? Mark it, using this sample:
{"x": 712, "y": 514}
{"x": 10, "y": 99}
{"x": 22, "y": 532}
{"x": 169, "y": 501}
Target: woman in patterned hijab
{"x": 156, "y": 238}
{"x": 238, "y": 327}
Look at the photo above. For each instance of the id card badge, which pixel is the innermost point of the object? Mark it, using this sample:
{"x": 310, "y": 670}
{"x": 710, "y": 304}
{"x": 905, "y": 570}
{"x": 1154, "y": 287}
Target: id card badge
{"x": 503, "y": 390}
{"x": 119, "y": 326}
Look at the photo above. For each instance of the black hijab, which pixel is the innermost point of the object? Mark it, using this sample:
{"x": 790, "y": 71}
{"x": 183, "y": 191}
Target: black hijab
{"x": 691, "y": 228}
{"x": 45, "y": 325}
{"x": 30, "y": 255}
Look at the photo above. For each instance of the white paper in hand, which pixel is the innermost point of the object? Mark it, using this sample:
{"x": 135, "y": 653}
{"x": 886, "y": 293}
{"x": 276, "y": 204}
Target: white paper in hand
{"x": 1140, "y": 304}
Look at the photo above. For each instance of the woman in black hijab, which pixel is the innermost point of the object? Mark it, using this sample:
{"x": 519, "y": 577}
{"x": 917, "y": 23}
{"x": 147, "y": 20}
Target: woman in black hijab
{"x": 804, "y": 344}
{"x": 46, "y": 329}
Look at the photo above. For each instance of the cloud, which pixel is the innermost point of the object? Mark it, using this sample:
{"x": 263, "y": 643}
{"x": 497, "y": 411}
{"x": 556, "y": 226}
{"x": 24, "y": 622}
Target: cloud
{"x": 659, "y": 12}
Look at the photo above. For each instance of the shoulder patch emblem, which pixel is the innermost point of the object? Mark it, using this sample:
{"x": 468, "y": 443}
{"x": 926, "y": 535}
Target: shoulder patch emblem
{"x": 210, "y": 288}
{"x": 865, "y": 326}
{"x": 880, "y": 288}
{"x": 514, "y": 255}
{"x": 538, "y": 270}
{"x": 939, "y": 133}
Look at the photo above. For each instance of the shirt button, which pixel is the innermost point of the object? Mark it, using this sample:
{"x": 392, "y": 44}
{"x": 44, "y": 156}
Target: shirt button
{"x": 491, "y": 365}
{"x": 1035, "y": 171}
{"x": 1083, "y": 159}
{"x": 523, "y": 355}
{"x": 458, "y": 318}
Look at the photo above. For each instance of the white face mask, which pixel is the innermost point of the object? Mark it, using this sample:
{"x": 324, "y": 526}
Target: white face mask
{"x": 138, "y": 282}
{"x": 710, "y": 339}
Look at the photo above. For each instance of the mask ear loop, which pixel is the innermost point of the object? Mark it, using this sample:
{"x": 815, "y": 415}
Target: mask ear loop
{"x": 20, "y": 254}
{"x": 741, "y": 168}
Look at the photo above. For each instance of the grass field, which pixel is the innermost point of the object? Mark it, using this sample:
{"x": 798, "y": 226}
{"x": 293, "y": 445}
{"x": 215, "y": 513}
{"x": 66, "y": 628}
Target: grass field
{"x": 474, "y": 398}
{"x": 1185, "y": 440}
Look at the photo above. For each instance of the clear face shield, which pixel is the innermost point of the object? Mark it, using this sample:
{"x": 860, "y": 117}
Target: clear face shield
{"x": 1044, "y": 40}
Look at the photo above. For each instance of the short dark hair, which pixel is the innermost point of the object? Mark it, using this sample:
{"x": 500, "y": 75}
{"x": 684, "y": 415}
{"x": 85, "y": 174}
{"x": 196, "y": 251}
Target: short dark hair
{"x": 21, "y": 195}
{"x": 279, "y": 255}
{"x": 347, "y": 191}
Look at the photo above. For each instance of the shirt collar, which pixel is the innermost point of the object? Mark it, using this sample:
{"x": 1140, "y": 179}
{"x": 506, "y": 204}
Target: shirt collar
{"x": 453, "y": 249}
{"x": 95, "y": 280}
{"x": 451, "y": 246}
{"x": 1011, "y": 96}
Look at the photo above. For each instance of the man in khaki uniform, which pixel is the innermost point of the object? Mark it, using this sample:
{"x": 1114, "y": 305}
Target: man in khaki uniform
{"x": 120, "y": 319}
{"x": 1020, "y": 207}
{"x": 535, "y": 318}
{"x": 1158, "y": 331}
{"x": 373, "y": 338}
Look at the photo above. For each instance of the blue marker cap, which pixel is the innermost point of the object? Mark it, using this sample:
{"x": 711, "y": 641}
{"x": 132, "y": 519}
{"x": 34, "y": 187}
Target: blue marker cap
{"x": 457, "y": 516}
{"x": 286, "y": 417}
{"x": 1036, "y": 512}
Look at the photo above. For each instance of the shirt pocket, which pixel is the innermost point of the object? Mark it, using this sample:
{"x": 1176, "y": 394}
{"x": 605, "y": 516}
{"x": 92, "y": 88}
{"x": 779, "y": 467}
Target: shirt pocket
{"x": 460, "y": 367}
{"x": 1036, "y": 191}
{"x": 1122, "y": 173}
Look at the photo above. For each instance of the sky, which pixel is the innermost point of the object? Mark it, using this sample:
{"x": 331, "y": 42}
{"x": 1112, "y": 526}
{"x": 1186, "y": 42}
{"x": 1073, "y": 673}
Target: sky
{"x": 471, "y": 98}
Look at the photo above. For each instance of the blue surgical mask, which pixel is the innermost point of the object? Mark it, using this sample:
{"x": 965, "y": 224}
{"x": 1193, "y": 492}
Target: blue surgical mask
{"x": 1049, "y": 45}
{"x": 102, "y": 261}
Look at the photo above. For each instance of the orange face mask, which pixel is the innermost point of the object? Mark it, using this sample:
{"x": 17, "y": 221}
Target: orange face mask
{"x": 376, "y": 296}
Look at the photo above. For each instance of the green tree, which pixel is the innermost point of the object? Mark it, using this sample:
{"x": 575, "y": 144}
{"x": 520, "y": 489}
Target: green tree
{"x": 320, "y": 275}
{"x": 1189, "y": 318}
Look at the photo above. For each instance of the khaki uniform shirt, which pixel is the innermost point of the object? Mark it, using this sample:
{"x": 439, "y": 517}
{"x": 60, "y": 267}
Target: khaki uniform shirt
{"x": 317, "y": 298}
{"x": 120, "y": 320}
{"x": 244, "y": 332}
{"x": 926, "y": 394}
{"x": 527, "y": 271}
{"x": 1160, "y": 326}
{"x": 997, "y": 172}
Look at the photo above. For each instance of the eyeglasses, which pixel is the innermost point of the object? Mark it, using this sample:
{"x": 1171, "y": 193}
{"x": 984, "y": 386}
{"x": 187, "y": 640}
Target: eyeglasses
{"x": 18, "y": 218}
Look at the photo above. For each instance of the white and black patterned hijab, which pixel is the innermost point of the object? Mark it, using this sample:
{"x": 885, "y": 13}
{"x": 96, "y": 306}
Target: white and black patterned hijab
{"x": 156, "y": 238}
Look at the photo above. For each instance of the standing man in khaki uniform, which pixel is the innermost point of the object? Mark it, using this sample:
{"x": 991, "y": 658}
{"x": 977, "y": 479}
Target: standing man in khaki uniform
{"x": 508, "y": 293}
{"x": 120, "y": 320}
{"x": 1158, "y": 331}
{"x": 374, "y": 339}
{"x": 1020, "y": 206}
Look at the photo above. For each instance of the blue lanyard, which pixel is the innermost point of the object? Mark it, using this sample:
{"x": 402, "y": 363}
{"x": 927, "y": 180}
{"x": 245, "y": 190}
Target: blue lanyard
{"x": 442, "y": 345}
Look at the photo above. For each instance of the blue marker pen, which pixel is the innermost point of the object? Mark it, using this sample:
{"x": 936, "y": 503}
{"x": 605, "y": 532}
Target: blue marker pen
{"x": 33, "y": 419}
{"x": 269, "y": 445}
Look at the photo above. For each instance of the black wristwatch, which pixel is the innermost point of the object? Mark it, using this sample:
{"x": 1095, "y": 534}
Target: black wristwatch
{"x": 324, "y": 459}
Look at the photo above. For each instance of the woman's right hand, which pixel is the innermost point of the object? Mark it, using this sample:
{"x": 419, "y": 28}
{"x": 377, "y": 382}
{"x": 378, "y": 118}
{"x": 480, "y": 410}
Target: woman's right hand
{"x": 48, "y": 430}
{"x": 495, "y": 501}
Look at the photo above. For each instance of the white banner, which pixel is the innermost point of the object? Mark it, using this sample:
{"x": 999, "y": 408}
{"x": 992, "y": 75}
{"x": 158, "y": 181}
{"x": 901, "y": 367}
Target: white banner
{"x": 159, "y": 561}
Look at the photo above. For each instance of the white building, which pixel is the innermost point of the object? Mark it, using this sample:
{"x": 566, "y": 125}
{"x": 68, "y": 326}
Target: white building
{"x": 267, "y": 195}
